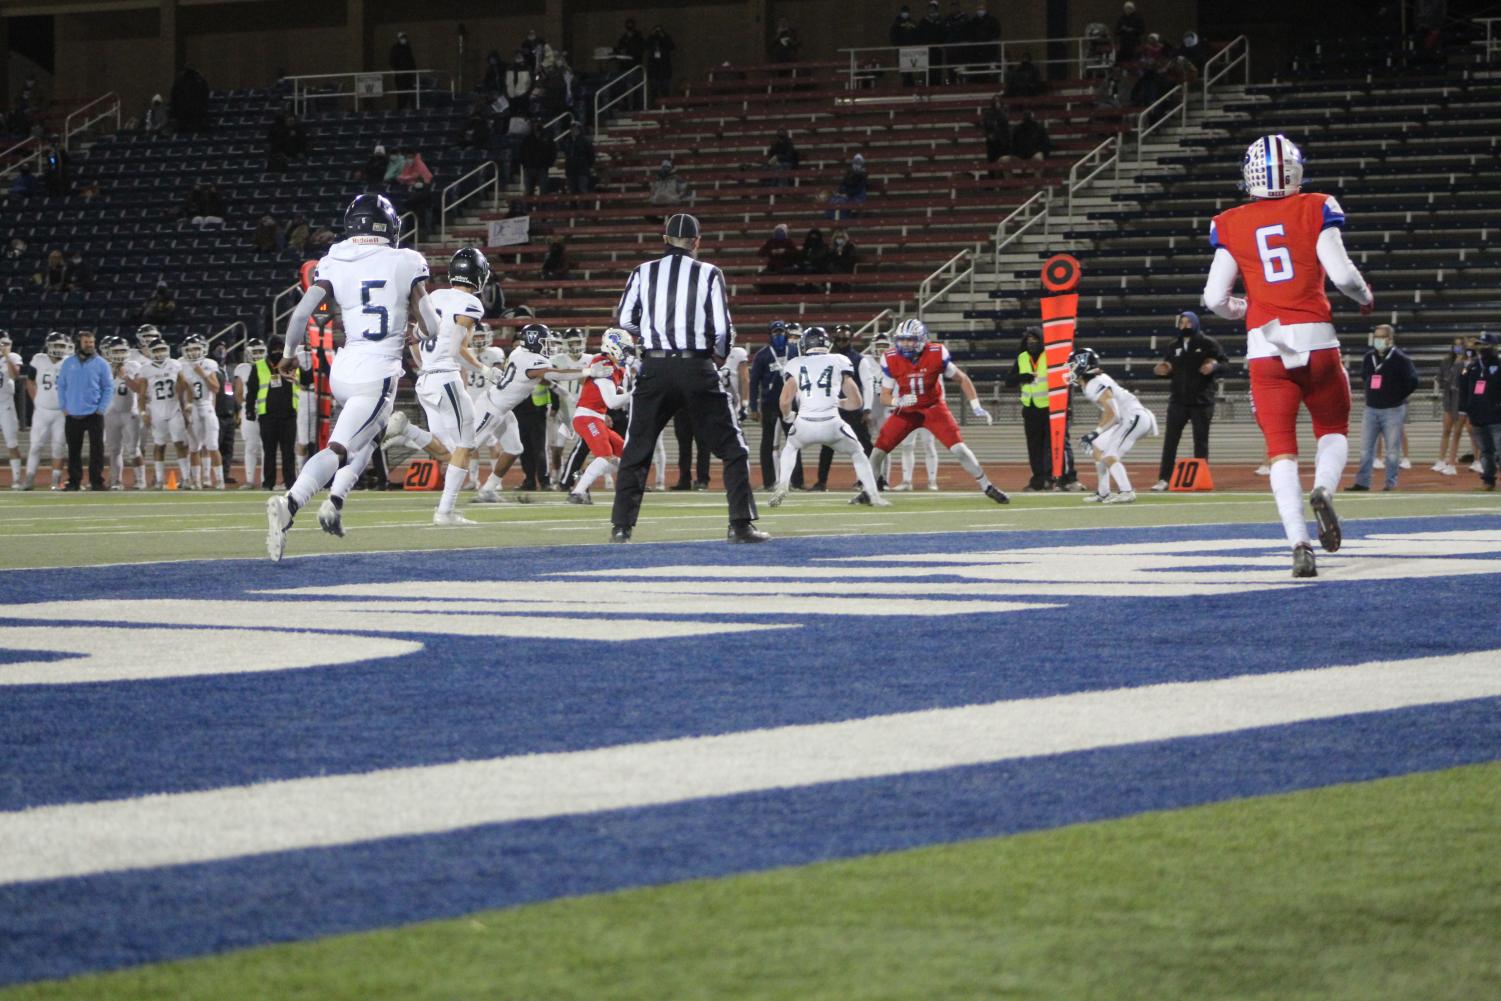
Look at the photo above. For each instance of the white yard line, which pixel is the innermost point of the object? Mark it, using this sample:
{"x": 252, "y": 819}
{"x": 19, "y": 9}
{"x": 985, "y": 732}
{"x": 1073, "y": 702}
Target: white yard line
{"x": 173, "y": 829}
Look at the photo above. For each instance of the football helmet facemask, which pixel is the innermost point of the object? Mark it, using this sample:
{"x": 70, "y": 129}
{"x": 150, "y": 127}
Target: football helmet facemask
{"x": 159, "y": 350}
{"x": 910, "y": 338}
{"x": 114, "y": 350}
{"x": 58, "y": 345}
{"x": 255, "y": 350}
{"x": 194, "y": 348}
{"x": 534, "y": 337}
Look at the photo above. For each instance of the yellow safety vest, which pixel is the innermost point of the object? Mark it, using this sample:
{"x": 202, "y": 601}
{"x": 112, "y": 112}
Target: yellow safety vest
{"x": 1034, "y": 392}
{"x": 263, "y": 386}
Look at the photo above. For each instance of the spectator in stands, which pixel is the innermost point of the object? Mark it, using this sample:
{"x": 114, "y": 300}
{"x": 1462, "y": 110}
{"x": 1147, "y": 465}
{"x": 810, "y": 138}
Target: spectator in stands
{"x": 518, "y": 82}
{"x": 578, "y": 159}
{"x": 89, "y": 192}
{"x": 404, "y": 61}
{"x": 814, "y": 259}
{"x": 996, "y": 124}
{"x": 930, "y": 33}
{"x": 1023, "y": 79}
{"x": 476, "y": 133}
{"x": 296, "y": 234}
{"x": 659, "y": 46}
{"x": 190, "y": 101}
{"x": 54, "y": 168}
{"x": 414, "y": 172}
{"x": 1029, "y": 140}
{"x": 905, "y": 33}
{"x": 1390, "y": 379}
{"x": 24, "y": 184}
{"x": 1099, "y": 49}
{"x": 555, "y": 265}
{"x": 1149, "y": 87}
{"x": 54, "y": 274}
{"x": 852, "y": 188}
{"x": 782, "y": 155}
{"x": 985, "y": 30}
{"x": 842, "y": 254}
{"x": 82, "y": 276}
{"x": 1480, "y": 396}
{"x": 785, "y": 45}
{"x": 1180, "y": 71}
{"x": 1194, "y": 50}
{"x": 1129, "y": 31}
{"x": 495, "y": 72}
{"x": 781, "y": 257}
{"x": 394, "y": 163}
{"x": 669, "y": 187}
{"x": 286, "y": 141}
{"x": 203, "y": 206}
{"x": 631, "y": 45}
{"x": 373, "y": 173}
{"x": 1193, "y": 361}
{"x": 160, "y": 308}
{"x": 1152, "y": 50}
{"x": 538, "y": 154}
{"x": 955, "y": 33}
{"x": 534, "y": 48}
{"x": 155, "y": 118}
{"x": 322, "y": 238}
{"x": 267, "y": 236}
{"x": 15, "y": 248}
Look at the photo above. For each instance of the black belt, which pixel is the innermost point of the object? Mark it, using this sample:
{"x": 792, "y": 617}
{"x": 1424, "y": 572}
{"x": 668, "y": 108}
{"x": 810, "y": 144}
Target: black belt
{"x": 664, "y": 353}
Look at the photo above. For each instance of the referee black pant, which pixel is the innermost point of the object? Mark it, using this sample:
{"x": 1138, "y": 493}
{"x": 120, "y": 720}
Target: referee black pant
{"x": 686, "y": 434}
{"x": 856, "y": 420}
{"x": 666, "y": 386}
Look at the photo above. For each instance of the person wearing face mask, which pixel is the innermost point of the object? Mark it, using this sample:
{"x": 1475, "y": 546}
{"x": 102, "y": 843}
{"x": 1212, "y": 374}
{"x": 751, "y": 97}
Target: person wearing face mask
{"x": 904, "y": 34}
{"x": 1481, "y": 398}
{"x": 1193, "y": 361}
{"x": 1450, "y": 376}
{"x": 1390, "y": 379}
{"x": 765, "y": 394}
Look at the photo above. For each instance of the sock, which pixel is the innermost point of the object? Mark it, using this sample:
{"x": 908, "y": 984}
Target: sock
{"x": 473, "y": 471}
{"x": 57, "y": 476}
{"x": 909, "y": 460}
{"x": 346, "y": 478}
{"x": 182, "y": 472}
{"x": 930, "y": 461}
{"x": 15, "y": 470}
{"x": 865, "y": 474}
{"x": 416, "y": 437}
{"x": 301, "y": 461}
{"x": 1288, "y": 490}
{"x": 785, "y": 466}
{"x": 1329, "y": 461}
{"x": 117, "y": 470}
{"x": 971, "y": 464}
{"x": 315, "y": 473}
{"x": 453, "y": 482}
{"x": 492, "y": 484}
{"x": 161, "y": 472}
{"x": 595, "y": 471}
{"x": 1102, "y": 471}
{"x": 140, "y": 469}
{"x": 1118, "y": 474}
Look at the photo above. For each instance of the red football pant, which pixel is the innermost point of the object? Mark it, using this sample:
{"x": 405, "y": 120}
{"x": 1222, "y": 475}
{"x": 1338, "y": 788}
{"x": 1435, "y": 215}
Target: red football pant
{"x": 937, "y": 419}
{"x": 601, "y": 442}
{"x": 1276, "y": 392}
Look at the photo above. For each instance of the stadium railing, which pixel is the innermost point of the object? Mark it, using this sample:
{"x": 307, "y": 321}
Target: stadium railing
{"x": 1237, "y": 53}
{"x": 87, "y": 116}
{"x": 618, "y": 90}
{"x": 477, "y": 182}
{"x": 1491, "y": 46}
{"x": 370, "y": 86}
{"x": 869, "y": 62}
{"x": 950, "y": 269}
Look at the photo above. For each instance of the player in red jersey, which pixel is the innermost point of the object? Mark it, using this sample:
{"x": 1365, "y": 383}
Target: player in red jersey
{"x": 602, "y": 392}
{"x": 912, "y": 375}
{"x": 1282, "y": 245}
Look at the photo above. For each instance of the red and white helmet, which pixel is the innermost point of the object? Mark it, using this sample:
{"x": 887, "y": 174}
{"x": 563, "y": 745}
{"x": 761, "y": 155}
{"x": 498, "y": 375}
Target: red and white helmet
{"x": 1273, "y": 168}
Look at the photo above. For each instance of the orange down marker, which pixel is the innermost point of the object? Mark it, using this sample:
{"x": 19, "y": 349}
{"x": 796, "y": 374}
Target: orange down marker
{"x": 1060, "y": 311}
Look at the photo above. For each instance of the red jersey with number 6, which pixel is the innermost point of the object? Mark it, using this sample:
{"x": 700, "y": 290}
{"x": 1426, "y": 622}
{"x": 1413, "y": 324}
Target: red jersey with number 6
{"x": 1275, "y": 244}
{"x": 921, "y": 376}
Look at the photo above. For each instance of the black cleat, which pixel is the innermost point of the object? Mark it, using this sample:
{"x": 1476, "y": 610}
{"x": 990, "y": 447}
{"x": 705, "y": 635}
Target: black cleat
{"x": 996, "y": 494}
{"x": 1323, "y": 513}
{"x": 620, "y": 533}
{"x": 818, "y": 488}
{"x": 1303, "y": 565}
{"x": 582, "y": 498}
{"x": 681, "y": 485}
{"x": 861, "y": 498}
{"x": 745, "y": 532}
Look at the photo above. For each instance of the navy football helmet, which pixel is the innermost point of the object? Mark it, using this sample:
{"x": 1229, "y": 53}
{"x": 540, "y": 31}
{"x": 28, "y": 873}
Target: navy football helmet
{"x": 534, "y": 337}
{"x": 469, "y": 267}
{"x": 371, "y": 215}
{"x": 815, "y": 341}
{"x": 1082, "y": 362}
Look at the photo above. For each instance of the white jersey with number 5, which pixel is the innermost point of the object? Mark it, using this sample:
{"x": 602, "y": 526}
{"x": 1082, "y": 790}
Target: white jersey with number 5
{"x": 820, "y": 380}
{"x": 372, "y": 283}
{"x": 46, "y": 381}
{"x": 437, "y": 352}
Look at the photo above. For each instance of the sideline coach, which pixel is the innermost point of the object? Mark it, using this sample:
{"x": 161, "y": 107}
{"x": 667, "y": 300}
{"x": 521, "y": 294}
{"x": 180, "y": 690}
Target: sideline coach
{"x": 675, "y": 307}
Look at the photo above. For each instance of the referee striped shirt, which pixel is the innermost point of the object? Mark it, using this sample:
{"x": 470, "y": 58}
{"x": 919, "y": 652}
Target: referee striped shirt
{"x": 677, "y": 304}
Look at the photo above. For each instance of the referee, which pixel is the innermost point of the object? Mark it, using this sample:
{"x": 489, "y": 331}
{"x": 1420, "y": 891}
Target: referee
{"x": 675, "y": 306}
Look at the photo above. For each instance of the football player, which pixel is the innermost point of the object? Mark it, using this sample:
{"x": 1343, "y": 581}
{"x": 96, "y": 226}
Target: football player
{"x": 912, "y": 375}
{"x": 822, "y": 383}
{"x": 255, "y": 451}
{"x": 568, "y": 354}
{"x": 1282, "y": 244}
{"x": 46, "y": 412}
{"x": 10, "y": 424}
{"x": 200, "y": 382}
{"x": 376, "y": 286}
{"x": 440, "y": 387}
{"x": 140, "y": 354}
{"x": 122, "y": 420}
{"x": 482, "y": 346}
{"x": 525, "y": 367}
{"x": 164, "y": 411}
{"x": 1123, "y": 420}
{"x": 603, "y": 391}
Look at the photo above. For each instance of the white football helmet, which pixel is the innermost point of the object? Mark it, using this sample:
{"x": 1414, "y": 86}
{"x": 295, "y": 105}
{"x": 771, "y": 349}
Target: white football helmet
{"x": 911, "y": 337}
{"x": 479, "y": 338}
{"x": 5, "y": 343}
{"x": 553, "y": 344}
{"x": 160, "y": 350}
{"x": 615, "y": 344}
{"x": 575, "y": 340}
{"x": 145, "y": 334}
{"x": 1273, "y": 168}
{"x": 879, "y": 345}
{"x": 58, "y": 345}
{"x": 255, "y": 350}
{"x": 194, "y": 348}
{"x": 115, "y": 350}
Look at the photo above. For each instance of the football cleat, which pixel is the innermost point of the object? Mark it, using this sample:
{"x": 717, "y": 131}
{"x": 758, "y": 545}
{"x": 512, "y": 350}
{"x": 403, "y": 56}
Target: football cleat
{"x": 902, "y": 487}
{"x": 620, "y": 533}
{"x": 745, "y": 532}
{"x": 1095, "y": 498}
{"x": 996, "y": 494}
{"x": 278, "y": 520}
{"x": 1159, "y": 486}
{"x": 777, "y": 496}
{"x": 486, "y": 497}
{"x": 451, "y": 519}
{"x": 878, "y": 501}
{"x": 1124, "y": 497}
{"x": 1303, "y": 562}
{"x": 583, "y": 498}
{"x": 469, "y": 267}
{"x": 1323, "y": 512}
{"x": 1272, "y": 168}
{"x": 396, "y": 427}
{"x": 330, "y": 518}
{"x": 861, "y": 498}
{"x": 933, "y": 486}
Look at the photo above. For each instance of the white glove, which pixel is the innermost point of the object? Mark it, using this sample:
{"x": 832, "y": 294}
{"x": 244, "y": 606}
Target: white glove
{"x": 488, "y": 371}
{"x": 905, "y": 400}
{"x": 981, "y": 412}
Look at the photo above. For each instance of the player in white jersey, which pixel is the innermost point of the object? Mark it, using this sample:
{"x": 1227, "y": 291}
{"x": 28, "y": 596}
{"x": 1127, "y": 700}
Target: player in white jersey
{"x": 525, "y": 368}
{"x": 255, "y": 451}
{"x": 377, "y": 286}
{"x": 122, "y": 419}
{"x": 1123, "y": 420}
{"x": 481, "y": 345}
{"x": 46, "y": 412}
{"x": 869, "y": 376}
{"x": 567, "y": 353}
{"x": 163, "y": 411}
{"x": 10, "y": 422}
{"x": 440, "y": 387}
{"x": 200, "y": 382}
{"x": 821, "y": 382}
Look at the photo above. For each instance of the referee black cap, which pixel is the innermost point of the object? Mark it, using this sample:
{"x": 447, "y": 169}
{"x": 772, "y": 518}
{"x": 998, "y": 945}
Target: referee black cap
{"x": 682, "y": 227}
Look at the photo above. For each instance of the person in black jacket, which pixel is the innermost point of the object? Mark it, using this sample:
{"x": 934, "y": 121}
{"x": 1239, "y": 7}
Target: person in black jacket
{"x": 538, "y": 154}
{"x": 402, "y": 58}
{"x": 1480, "y": 395}
{"x": 765, "y": 393}
{"x": 278, "y": 424}
{"x": 659, "y": 46}
{"x": 1390, "y": 379}
{"x": 1193, "y": 361}
{"x": 578, "y": 160}
{"x": 905, "y": 33}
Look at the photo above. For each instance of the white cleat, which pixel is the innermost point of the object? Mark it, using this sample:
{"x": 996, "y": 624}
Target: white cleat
{"x": 451, "y": 519}
{"x": 18, "y": 485}
{"x": 278, "y": 520}
{"x": 900, "y": 487}
{"x": 1406, "y": 463}
{"x": 486, "y": 497}
{"x": 1096, "y": 498}
{"x": 1438, "y": 467}
{"x": 777, "y": 496}
{"x": 1477, "y": 467}
{"x": 933, "y": 486}
{"x": 876, "y": 500}
{"x": 117, "y": 486}
{"x": 1159, "y": 486}
{"x": 396, "y": 427}
{"x": 330, "y": 518}
{"x": 1263, "y": 470}
{"x": 1124, "y": 497}
{"x": 1449, "y": 470}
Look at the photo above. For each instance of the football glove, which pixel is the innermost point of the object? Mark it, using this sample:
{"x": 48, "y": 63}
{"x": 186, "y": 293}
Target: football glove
{"x": 905, "y": 400}
{"x": 488, "y": 371}
{"x": 980, "y": 412}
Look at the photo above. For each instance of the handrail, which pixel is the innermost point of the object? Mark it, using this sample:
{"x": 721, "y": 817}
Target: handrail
{"x": 1211, "y": 78}
{"x": 926, "y": 297}
{"x": 860, "y": 67}
{"x": 112, "y": 111}
{"x": 301, "y": 94}
{"x": 873, "y": 322}
{"x": 601, "y": 105}
{"x": 278, "y": 315}
{"x": 6, "y": 169}
{"x": 1492, "y": 35}
{"x": 1076, "y": 183}
{"x": 547, "y": 126}
{"x": 238, "y": 323}
{"x": 1028, "y": 210}
{"x": 1143, "y": 129}
{"x": 402, "y": 232}
{"x": 493, "y": 184}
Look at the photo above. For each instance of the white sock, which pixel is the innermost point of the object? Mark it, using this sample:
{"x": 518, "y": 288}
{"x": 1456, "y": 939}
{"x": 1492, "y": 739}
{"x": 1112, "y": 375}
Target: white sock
{"x": 453, "y": 482}
{"x": 474, "y": 471}
{"x": 492, "y": 485}
{"x": 909, "y": 461}
{"x": 931, "y": 460}
{"x": 595, "y": 470}
{"x": 416, "y": 437}
{"x": 117, "y": 470}
{"x": 33, "y": 459}
{"x": 15, "y": 470}
{"x": 207, "y": 475}
{"x": 1329, "y": 461}
{"x": 161, "y": 472}
{"x": 57, "y": 476}
{"x": 865, "y": 474}
{"x": 182, "y": 471}
{"x": 1102, "y": 472}
{"x": 140, "y": 469}
{"x": 1118, "y": 474}
{"x": 346, "y": 478}
{"x": 316, "y": 472}
{"x": 971, "y": 464}
{"x": 1288, "y": 490}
